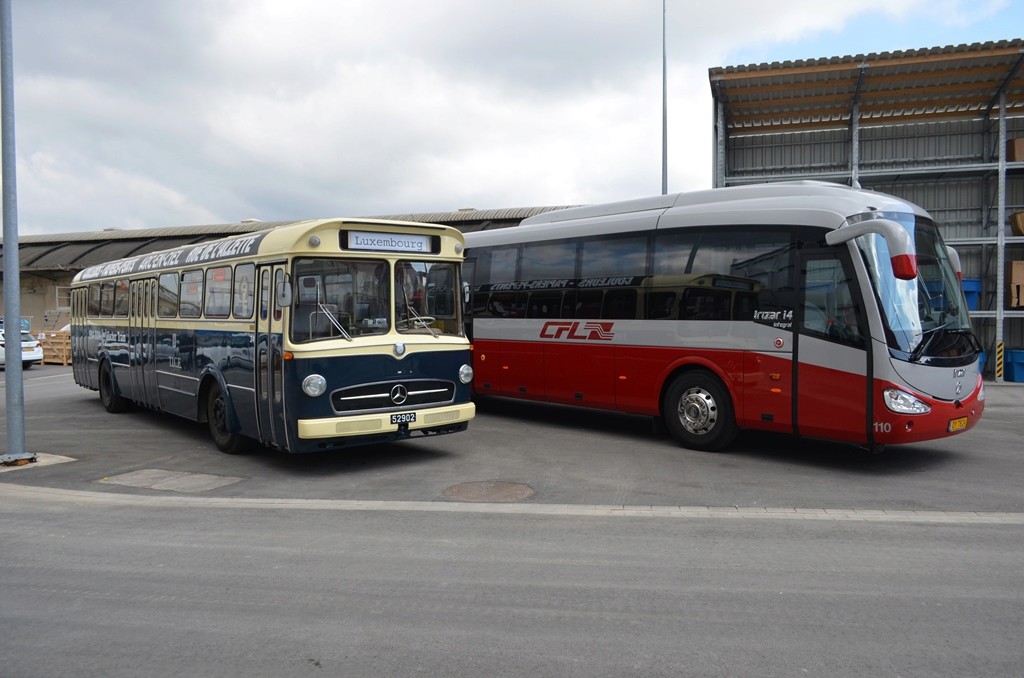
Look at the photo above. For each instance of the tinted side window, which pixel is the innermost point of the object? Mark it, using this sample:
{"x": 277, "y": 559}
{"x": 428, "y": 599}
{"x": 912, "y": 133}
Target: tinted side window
{"x": 548, "y": 260}
{"x": 502, "y": 266}
{"x": 672, "y": 252}
{"x": 614, "y": 257}
{"x": 121, "y": 298}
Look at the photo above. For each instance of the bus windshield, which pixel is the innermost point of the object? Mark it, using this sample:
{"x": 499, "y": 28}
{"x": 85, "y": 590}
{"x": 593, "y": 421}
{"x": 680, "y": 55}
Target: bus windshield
{"x": 426, "y": 300}
{"x": 340, "y": 298}
{"x": 925, "y": 318}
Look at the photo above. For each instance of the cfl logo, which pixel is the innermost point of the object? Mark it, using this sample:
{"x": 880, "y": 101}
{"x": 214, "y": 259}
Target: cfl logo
{"x": 577, "y": 331}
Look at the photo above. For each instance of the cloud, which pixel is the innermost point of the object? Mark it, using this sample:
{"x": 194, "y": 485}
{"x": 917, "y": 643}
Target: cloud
{"x": 180, "y": 112}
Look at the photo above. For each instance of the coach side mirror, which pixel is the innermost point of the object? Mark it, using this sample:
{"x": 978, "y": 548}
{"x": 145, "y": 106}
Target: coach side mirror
{"x": 902, "y": 256}
{"x": 284, "y": 294}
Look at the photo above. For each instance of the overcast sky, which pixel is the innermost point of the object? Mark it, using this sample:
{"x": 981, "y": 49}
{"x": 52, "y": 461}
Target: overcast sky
{"x": 139, "y": 113}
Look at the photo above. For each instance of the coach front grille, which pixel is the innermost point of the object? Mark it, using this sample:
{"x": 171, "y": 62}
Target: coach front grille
{"x": 393, "y": 395}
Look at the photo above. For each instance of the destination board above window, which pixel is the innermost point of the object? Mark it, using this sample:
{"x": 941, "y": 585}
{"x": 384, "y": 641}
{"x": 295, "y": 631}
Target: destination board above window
{"x": 389, "y": 242}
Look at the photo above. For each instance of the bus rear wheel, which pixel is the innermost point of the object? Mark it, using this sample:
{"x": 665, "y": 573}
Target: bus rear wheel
{"x": 698, "y": 412}
{"x": 227, "y": 441}
{"x": 112, "y": 402}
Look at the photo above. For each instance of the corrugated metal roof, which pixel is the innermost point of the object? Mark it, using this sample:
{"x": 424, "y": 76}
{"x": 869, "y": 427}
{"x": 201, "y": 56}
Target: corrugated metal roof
{"x": 75, "y": 251}
{"x": 461, "y": 216}
{"x": 963, "y": 81}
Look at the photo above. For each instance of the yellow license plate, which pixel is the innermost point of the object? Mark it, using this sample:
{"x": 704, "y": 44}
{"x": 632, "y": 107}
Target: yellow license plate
{"x": 958, "y": 424}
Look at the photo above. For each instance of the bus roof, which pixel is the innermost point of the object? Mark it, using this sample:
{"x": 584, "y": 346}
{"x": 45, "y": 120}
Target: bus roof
{"x": 815, "y": 203}
{"x": 277, "y": 240}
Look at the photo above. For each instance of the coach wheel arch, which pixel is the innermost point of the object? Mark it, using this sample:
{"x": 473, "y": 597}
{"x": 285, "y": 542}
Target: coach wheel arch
{"x": 698, "y": 410}
{"x": 112, "y": 400}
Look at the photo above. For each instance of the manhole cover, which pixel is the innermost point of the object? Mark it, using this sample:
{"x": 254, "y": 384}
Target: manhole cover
{"x": 490, "y": 491}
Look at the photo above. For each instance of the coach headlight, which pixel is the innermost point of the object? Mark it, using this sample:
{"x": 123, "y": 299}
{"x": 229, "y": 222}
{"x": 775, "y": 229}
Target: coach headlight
{"x": 465, "y": 374}
{"x": 314, "y": 385}
{"x": 902, "y": 402}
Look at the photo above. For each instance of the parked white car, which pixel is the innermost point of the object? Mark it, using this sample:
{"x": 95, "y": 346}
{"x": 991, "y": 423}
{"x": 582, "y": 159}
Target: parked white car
{"x": 31, "y": 350}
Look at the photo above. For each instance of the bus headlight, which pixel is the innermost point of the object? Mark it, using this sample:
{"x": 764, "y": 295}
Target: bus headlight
{"x": 465, "y": 374}
{"x": 314, "y": 385}
{"x": 902, "y": 402}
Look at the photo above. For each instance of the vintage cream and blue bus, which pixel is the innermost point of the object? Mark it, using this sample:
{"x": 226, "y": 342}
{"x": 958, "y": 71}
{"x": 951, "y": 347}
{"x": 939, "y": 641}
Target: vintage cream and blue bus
{"x": 802, "y": 308}
{"x": 304, "y": 337}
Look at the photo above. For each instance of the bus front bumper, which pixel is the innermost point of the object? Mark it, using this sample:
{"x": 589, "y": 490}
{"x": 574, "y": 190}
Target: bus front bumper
{"x": 433, "y": 420}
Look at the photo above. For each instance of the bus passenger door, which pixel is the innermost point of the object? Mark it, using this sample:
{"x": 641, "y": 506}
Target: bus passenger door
{"x": 831, "y": 376}
{"x": 269, "y": 360}
{"x": 141, "y": 340}
{"x": 148, "y": 335}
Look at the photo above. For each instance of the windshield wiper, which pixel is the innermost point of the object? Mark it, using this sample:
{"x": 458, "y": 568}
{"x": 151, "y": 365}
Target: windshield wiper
{"x": 927, "y": 336}
{"x": 334, "y": 321}
{"x": 420, "y": 320}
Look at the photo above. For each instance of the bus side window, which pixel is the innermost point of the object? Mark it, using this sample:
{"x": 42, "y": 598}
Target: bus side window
{"x": 243, "y": 297}
{"x": 94, "y": 300}
{"x": 218, "y": 292}
{"x": 705, "y": 304}
{"x": 829, "y": 308}
{"x": 619, "y": 305}
{"x": 167, "y": 300}
{"x": 544, "y": 305}
{"x": 588, "y": 303}
{"x": 106, "y": 299}
{"x": 659, "y": 305}
{"x": 191, "y": 298}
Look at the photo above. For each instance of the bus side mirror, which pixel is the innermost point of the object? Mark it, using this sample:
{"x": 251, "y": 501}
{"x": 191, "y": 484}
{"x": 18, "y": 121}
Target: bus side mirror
{"x": 284, "y": 294}
{"x": 902, "y": 257}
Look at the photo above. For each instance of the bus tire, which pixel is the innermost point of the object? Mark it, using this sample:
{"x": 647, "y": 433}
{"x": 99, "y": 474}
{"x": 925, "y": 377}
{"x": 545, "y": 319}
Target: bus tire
{"x": 698, "y": 411}
{"x": 227, "y": 441}
{"x": 112, "y": 401}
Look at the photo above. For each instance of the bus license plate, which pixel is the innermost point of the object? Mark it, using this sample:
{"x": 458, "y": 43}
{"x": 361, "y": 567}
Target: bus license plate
{"x": 403, "y": 418}
{"x": 958, "y": 424}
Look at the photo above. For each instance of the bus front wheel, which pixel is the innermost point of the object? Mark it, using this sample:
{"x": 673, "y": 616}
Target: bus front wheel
{"x": 698, "y": 411}
{"x": 112, "y": 401}
{"x": 226, "y": 440}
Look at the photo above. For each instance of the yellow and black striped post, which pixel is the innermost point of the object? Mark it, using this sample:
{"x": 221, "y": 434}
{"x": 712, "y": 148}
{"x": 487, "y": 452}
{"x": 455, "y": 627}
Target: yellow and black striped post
{"x": 999, "y": 361}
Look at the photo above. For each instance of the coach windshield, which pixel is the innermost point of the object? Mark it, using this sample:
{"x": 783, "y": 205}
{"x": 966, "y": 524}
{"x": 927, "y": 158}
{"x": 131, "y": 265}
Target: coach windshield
{"x": 926, "y": 318}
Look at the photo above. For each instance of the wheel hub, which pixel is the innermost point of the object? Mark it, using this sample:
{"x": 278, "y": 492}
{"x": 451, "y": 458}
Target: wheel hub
{"x": 698, "y": 411}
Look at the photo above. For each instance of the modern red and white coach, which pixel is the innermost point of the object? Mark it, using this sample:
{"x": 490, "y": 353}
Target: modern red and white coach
{"x": 799, "y": 307}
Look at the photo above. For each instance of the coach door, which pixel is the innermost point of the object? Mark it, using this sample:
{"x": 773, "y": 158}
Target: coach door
{"x": 269, "y": 360}
{"x": 832, "y": 368}
{"x": 142, "y": 340}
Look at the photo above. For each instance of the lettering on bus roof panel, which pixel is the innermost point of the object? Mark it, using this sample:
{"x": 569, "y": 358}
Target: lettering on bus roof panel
{"x": 389, "y": 242}
{"x": 215, "y": 250}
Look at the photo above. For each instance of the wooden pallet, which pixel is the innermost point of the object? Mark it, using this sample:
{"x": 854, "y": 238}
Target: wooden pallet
{"x": 56, "y": 348}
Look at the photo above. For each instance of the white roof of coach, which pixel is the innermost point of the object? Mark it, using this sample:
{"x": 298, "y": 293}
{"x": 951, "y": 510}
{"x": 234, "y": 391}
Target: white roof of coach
{"x": 797, "y": 202}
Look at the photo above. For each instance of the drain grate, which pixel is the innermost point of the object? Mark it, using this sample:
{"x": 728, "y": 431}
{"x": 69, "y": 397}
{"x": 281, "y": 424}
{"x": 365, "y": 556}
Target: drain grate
{"x": 495, "y": 491}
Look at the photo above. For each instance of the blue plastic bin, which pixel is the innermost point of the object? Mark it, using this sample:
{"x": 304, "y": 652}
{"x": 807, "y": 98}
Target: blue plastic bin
{"x": 972, "y": 290}
{"x": 1013, "y": 366}
{"x": 981, "y": 361}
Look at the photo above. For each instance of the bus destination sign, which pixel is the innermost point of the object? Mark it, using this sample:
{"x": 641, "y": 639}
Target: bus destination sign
{"x": 388, "y": 242}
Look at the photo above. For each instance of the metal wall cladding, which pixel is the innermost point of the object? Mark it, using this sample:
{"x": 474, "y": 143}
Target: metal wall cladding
{"x": 809, "y": 153}
{"x": 957, "y": 142}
